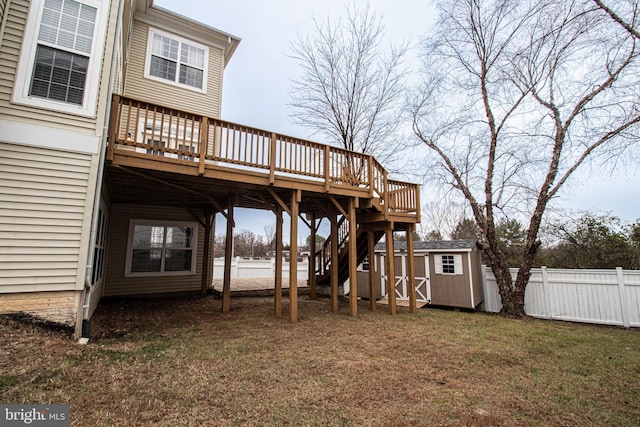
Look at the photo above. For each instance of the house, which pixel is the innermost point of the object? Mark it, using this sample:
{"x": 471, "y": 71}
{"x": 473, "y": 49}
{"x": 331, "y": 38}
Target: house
{"x": 115, "y": 163}
{"x": 447, "y": 273}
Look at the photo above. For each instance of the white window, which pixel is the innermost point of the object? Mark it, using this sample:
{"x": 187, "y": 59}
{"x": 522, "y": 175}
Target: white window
{"x": 60, "y": 60}
{"x": 159, "y": 248}
{"x": 176, "y": 60}
{"x": 448, "y": 264}
{"x": 99, "y": 250}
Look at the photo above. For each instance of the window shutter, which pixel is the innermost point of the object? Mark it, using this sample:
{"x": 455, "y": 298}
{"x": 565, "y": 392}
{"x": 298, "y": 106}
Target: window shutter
{"x": 457, "y": 260}
{"x": 438, "y": 262}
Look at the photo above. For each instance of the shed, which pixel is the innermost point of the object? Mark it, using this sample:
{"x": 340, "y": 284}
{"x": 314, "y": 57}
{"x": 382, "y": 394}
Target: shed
{"x": 447, "y": 273}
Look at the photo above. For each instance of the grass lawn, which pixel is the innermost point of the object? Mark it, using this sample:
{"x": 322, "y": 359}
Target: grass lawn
{"x": 175, "y": 362}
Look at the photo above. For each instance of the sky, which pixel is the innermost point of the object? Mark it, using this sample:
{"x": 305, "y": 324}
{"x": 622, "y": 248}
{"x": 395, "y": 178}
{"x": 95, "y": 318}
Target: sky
{"x": 258, "y": 79}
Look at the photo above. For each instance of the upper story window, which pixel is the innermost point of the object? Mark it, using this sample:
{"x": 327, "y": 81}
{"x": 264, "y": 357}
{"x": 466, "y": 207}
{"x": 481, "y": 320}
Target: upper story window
{"x": 59, "y": 65}
{"x": 176, "y": 60}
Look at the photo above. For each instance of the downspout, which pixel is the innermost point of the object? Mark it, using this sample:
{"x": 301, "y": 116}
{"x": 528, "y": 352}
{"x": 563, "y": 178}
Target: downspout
{"x": 86, "y": 330}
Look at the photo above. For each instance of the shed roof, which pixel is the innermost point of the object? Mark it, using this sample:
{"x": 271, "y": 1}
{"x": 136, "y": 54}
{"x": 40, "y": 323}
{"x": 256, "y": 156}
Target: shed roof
{"x": 452, "y": 245}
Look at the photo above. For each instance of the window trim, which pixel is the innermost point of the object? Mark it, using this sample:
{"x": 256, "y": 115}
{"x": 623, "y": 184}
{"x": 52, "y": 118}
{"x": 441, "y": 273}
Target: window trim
{"x": 26, "y": 62}
{"x": 457, "y": 264}
{"x": 181, "y": 40}
{"x": 157, "y": 223}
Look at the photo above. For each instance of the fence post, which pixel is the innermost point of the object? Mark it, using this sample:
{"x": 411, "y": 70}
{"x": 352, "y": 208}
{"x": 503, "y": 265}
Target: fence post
{"x": 624, "y": 306}
{"x": 545, "y": 293}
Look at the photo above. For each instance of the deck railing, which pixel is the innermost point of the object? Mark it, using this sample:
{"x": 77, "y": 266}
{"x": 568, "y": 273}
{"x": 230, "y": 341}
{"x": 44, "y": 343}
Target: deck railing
{"x": 161, "y": 131}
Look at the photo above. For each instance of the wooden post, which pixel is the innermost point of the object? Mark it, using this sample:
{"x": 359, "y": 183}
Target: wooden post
{"x": 293, "y": 258}
{"x": 370, "y": 173}
{"x": 272, "y": 158}
{"x": 228, "y": 248}
{"x": 312, "y": 258}
{"x": 278, "y": 278}
{"x": 391, "y": 274}
{"x": 411, "y": 274}
{"x": 353, "y": 259}
{"x": 209, "y": 221}
{"x": 372, "y": 272}
{"x": 204, "y": 143}
{"x": 327, "y": 168}
{"x": 334, "y": 263}
{"x": 114, "y": 124}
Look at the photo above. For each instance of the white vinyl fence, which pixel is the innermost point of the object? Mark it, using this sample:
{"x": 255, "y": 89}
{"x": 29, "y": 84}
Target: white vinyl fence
{"x": 609, "y": 297}
{"x": 257, "y": 268}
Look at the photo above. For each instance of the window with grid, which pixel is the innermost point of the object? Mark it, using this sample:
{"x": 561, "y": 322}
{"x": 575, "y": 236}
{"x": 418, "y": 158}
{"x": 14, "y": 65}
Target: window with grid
{"x": 59, "y": 67}
{"x": 65, "y": 37}
{"x": 176, "y": 60}
{"x": 448, "y": 264}
{"x": 158, "y": 248}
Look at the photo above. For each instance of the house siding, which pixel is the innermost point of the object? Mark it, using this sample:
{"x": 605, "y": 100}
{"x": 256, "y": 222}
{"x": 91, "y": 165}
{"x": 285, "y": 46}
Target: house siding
{"x": 45, "y": 210}
{"x": 116, "y": 283}
{"x": 43, "y": 205}
{"x": 139, "y": 87}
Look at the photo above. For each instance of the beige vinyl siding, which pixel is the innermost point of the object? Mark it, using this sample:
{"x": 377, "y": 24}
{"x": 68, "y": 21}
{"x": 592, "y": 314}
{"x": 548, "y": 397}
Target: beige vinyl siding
{"x": 9, "y": 54}
{"x": 43, "y": 196}
{"x": 116, "y": 284}
{"x": 166, "y": 94}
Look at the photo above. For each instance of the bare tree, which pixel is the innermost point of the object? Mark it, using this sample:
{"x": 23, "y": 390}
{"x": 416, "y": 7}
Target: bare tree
{"x": 516, "y": 97}
{"x": 633, "y": 13}
{"x": 270, "y": 233}
{"x": 350, "y": 90}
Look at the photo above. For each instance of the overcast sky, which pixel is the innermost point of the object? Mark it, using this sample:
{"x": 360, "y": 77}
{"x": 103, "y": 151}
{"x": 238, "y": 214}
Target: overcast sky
{"x": 258, "y": 79}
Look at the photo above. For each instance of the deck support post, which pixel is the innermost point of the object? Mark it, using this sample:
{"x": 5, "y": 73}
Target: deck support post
{"x": 353, "y": 259}
{"x": 333, "y": 268}
{"x": 391, "y": 274}
{"x": 228, "y": 249}
{"x": 312, "y": 258}
{"x": 278, "y": 279}
{"x": 209, "y": 222}
{"x": 293, "y": 257}
{"x": 411, "y": 276}
{"x": 372, "y": 271}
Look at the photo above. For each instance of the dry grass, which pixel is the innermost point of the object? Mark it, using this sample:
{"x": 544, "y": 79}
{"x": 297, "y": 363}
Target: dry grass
{"x": 180, "y": 362}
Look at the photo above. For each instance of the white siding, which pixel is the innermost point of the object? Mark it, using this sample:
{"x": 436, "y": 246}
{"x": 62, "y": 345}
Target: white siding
{"x": 43, "y": 197}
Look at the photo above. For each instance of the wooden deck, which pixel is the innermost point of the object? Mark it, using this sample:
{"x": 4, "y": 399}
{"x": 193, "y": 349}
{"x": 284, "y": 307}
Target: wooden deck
{"x": 160, "y": 156}
{"x": 150, "y": 139}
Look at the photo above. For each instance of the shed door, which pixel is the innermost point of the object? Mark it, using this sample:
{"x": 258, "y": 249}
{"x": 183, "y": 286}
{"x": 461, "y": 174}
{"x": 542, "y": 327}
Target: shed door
{"x": 421, "y": 268}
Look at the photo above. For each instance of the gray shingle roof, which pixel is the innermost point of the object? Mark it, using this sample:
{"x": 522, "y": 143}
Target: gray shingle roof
{"x": 439, "y": 245}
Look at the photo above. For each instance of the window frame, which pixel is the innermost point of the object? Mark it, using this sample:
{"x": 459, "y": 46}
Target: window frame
{"x": 181, "y": 41}
{"x": 165, "y": 224}
{"x": 26, "y": 62}
{"x": 457, "y": 264}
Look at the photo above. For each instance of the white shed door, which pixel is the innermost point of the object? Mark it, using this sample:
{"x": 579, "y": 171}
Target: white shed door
{"x": 421, "y": 269}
